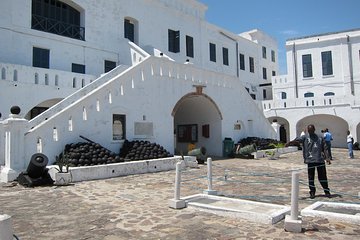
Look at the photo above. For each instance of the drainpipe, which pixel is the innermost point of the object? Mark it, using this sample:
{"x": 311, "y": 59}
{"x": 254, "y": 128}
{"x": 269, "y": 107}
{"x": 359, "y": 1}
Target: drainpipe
{"x": 351, "y": 70}
{"x": 295, "y": 72}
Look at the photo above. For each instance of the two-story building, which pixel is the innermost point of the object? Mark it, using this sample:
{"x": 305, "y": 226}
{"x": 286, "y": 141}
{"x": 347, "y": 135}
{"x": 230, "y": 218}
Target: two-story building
{"x": 322, "y": 86}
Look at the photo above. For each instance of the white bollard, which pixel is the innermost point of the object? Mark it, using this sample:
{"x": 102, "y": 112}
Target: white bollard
{"x": 293, "y": 222}
{"x": 295, "y": 195}
{"x": 177, "y": 202}
{"x": 6, "y": 232}
{"x": 209, "y": 191}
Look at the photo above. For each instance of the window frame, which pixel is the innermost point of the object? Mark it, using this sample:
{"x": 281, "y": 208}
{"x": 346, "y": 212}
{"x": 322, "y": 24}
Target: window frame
{"x": 173, "y": 41}
{"x": 252, "y": 64}
{"x": 242, "y": 61}
{"x": 212, "y": 51}
{"x": 326, "y": 63}
{"x": 189, "y": 46}
{"x": 225, "y": 53}
{"x": 41, "y": 57}
{"x": 307, "y": 65}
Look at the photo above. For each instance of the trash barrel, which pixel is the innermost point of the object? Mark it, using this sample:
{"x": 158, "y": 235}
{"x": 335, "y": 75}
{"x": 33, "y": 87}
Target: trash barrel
{"x": 228, "y": 147}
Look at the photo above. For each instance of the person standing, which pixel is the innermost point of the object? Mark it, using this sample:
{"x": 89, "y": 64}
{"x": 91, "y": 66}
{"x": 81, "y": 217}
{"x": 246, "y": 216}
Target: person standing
{"x": 350, "y": 143}
{"x": 328, "y": 138}
{"x": 314, "y": 154}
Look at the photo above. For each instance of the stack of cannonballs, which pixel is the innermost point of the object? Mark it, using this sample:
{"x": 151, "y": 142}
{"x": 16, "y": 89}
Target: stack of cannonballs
{"x": 142, "y": 150}
{"x": 90, "y": 154}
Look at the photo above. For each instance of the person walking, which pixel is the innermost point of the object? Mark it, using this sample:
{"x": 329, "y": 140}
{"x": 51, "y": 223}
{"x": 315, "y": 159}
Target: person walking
{"x": 328, "y": 138}
{"x": 314, "y": 154}
{"x": 350, "y": 144}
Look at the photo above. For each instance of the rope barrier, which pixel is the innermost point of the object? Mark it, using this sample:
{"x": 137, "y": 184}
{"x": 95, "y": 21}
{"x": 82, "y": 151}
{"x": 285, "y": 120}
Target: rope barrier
{"x": 224, "y": 176}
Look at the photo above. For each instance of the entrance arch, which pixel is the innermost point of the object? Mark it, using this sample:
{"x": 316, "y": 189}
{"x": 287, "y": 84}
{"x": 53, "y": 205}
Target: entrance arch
{"x": 284, "y": 128}
{"x": 197, "y": 120}
{"x": 41, "y": 107}
{"x": 336, "y": 125}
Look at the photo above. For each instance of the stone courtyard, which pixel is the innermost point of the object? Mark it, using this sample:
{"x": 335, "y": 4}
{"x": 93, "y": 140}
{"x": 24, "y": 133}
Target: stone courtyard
{"x": 136, "y": 206}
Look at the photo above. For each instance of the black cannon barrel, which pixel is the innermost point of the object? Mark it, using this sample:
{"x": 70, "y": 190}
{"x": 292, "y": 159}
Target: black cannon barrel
{"x": 37, "y": 165}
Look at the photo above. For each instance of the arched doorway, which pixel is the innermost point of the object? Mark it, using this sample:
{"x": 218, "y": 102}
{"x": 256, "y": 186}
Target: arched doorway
{"x": 336, "y": 125}
{"x": 197, "y": 120}
{"x": 41, "y": 107}
{"x": 284, "y": 128}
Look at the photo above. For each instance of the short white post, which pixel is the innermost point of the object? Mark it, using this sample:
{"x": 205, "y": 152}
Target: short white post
{"x": 209, "y": 191}
{"x": 177, "y": 202}
{"x": 6, "y": 231}
{"x": 295, "y": 195}
{"x": 293, "y": 222}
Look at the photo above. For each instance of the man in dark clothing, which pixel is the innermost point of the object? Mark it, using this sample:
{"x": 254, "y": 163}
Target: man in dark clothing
{"x": 314, "y": 152}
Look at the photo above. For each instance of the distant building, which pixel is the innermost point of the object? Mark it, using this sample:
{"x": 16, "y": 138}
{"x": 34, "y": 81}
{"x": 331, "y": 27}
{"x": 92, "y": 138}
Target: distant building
{"x": 322, "y": 86}
{"x": 114, "y": 70}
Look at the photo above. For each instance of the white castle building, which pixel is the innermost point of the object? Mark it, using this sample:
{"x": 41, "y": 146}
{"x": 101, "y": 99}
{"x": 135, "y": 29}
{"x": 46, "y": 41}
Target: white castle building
{"x": 112, "y": 70}
{"x": 322, "y": 87}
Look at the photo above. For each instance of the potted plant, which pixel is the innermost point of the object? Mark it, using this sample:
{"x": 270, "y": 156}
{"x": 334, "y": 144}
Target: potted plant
{"x": 63, "y": 174}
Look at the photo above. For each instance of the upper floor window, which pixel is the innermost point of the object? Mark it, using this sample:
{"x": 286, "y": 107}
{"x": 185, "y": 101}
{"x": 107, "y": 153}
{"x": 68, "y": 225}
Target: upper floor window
{"x": 307, "y": 65}
{"x": 78, "y": 68}
{"x": 264, "y": 93}
{"x": 251, "y": 64}
{"x": 242, "y": 61}
{"x": 129, "y": 30}
{"x": 272, "y": 55}
{"x": 225, "y": 56}
{"x": 326, "y": 60}
{"x": 109, "y": 65}
{"x": 283, "y": 95}
{"x": 212, "y": 49}
{"x": 264, "y": 73}
{"x": 309, "y": 94}
{"x": 264, "y": 52}
{"x": 41, "y": 57}
{"x": 189, "y": 46}
{"x": 273, "y": 73}
{"x": 56, "y": 17}
{"x": 174, "y": 41}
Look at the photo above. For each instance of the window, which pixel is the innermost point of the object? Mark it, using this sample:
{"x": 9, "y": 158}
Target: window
{"x": 109, "y": 65}
{"x": 283, "y": 95}
{"x": 273, "y": 73}
{"x": 272, "y": 55}
{"x": 189, "y": 46}
{"x": 251, "y": 64}
{"x": 119, "y": 127}
{"x": 242, "y": 61}
{"x": 174, "y": 41}
{"x": 307, "y": 65}
{"x": 129, "y": 30}
{"x": 41, "y": 57}
{"x": 326, "y": 60}
{"x": 264, "y": 73}
{"x": 56, "y": 17}
{"x": 225, "y": 56}
{"x": 264, "y": 93}
{"x": 212, "y": 47}
{"x": 78, "y": 68}
{"x": 264, "y": 52}
{"x": 329, "y": 94}
{"x": 309, "y": 94}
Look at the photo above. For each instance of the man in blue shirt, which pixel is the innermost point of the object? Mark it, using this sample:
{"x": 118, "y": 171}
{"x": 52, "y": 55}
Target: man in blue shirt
{"x": 328, "y": 138}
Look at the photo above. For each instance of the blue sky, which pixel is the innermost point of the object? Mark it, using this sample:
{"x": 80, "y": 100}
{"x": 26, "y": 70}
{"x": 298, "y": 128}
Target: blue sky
{"x": 284, "y": 19}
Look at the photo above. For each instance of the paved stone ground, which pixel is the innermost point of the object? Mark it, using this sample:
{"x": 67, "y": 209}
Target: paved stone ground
{"x": 136, "y": 207}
